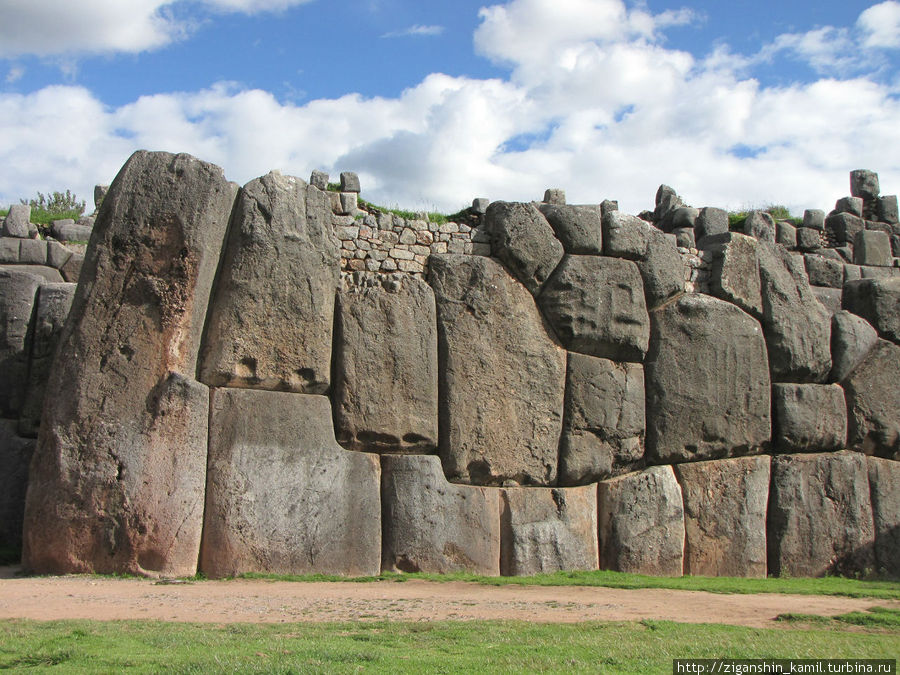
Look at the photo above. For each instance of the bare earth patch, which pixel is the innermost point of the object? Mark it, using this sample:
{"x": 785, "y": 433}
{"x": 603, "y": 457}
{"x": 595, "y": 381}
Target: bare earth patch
{"x": 259, "y": 601}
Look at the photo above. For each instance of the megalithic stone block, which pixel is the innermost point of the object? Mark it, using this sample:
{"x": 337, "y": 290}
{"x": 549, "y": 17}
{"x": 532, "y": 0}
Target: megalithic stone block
{"x": 119, "y": 473}
{"x": 578, "y": 228}
{"x": 642, "y": 523}
{"x": 548, "y": 530}
{"x": 878, "y": 302}
{"x": 431, "y": 525}
{"x": 820, "y": 516}
{"x": 873, "y": 402}
{"x": 523, "y": 240}
{"x": 725, "y": 504}
{"x": 283, "y": 497}
{"x": 18, "y": 290}
{"x": 272, "y": 313}
{"x": 15, "y": 455}
{"x": 884, "y": 488}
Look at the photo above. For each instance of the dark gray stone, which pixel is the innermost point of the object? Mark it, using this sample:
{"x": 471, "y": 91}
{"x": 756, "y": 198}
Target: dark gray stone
{"x": 57, "y": 254}
{"x": 480, "y": 205}
{"x": 119, "y": 474}
{"x": 685, "y": 217}
{"x": 808, "y": 417}
{"x": 100, "y": 192}
{"x": 433, "y": 526}
{"x": 884, "y": 488}
{"x": 814, "y": 218}
{"x": 596, "y": 306}
{"x": 823, "y": 271}
{"x": 684, "y": 237}
{"x": 319, "y": 179}
{"x": 887, "y": 209}
{"x": 797, "y": 327}
{"x": 32, "y": 252}
{"x": 523, "y": 241}
{"x": 385, "y": 366}
{"x": 16, "y": 223}
{"x": 878, "y": 302}
{"x": 53, "y": 304}
{"x": 350, "y": 182}
{"x": 710, "y": 222}
{"x": 502, "y": 376}
{"x": 808, "y": 239}
{"x": 546, "y": 530}
{"x": 820, "y": 516}
{"x": 642, "y": 523}
{"x": 272, "y": 311}
{"x": 725, "y": 504}
{"x": 71, "y": 269}
{"x": 829, "y": 298}
{"x": 864, "y": 184}
{"x": 760, "y": 225}
{"x": 9, "y": 251}
{"x": 18, "y": 289}
{"x": 735, "y": 273}
{"x": 283, "y": 497}
{"x": 15, "y": 456}
{"x": 844, "y": 226}
{"x": 66, "y": 230}
{"x": 873, "y": 402}
{"x": 603, "y": 423}
{"x": 625, "y": 236}
{"x": 852, "y": 205}
{"x": 662, "y": 269}
{"x": 555, "y": 196}
{"x": 786, "y": 234}
{"x": 872, "y": 248}
{"x": 852, "y": 337}
{"x": 707, "y": 380}
{"x": 577, "y": 227}
{"x": 608, "y": 205}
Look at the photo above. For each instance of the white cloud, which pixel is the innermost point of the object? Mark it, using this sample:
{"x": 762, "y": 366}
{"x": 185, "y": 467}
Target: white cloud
{"x": 881, "y": 25}
{"x": 417, "y": 30}
{"x": 14, "y": 74}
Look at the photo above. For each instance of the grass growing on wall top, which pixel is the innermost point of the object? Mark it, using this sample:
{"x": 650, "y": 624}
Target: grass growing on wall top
{"x": 778, "y": 212}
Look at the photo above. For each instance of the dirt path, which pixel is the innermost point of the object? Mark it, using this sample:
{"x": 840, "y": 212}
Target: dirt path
{"x": 76, "y": 597}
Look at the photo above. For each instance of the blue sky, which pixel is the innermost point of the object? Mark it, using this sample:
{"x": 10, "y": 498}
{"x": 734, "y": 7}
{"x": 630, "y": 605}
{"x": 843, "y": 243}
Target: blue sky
{"x": 734, "y": 104}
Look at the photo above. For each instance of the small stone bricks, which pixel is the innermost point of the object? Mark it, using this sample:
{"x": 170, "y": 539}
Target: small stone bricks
{"x": 878, "y": 302}
{"x": 596, "y": 306}
{"x": 522, "y": 239}
{"x": 884, "y": 487}
{"x": 433, "y": 526}
{"x": 642, "y": 523}
{"x": 603, "y": 422}
{"x": 873, "y": 400}
{"x": 871, "y": 247}
{"x": 820, "y": 516}
{"x": 545, "y": 530}
{"x": 283, "y": 496}
{"x": 725, "y": 504}
{"x": 707, "y": 381}
{"x": 808, "y": 417}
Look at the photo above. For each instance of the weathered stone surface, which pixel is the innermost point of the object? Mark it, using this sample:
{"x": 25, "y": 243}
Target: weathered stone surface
{"x": 725, "y": 504}
{"x": 808, "y": 417}
{"x": 786, "y": 234}
{"x": 878, "y": 302}
{"x": 596, "y": 306}
{"x": 431, "y": 525}
{"x": 735, "y": 273}
{"x": 319, "y": 179}
{"x": 642, "y": 523}
{"x": 283, "y": 496}
{"x": 814, "y": 218}
{"x": 625, "y": 236}
{"x": 578, "y": 228}
{"x": 685, "y": 216}
{"x": 524, "y": 241}
{"x": 844, "y": 226}
{"x": 16, "y": 222}
{"x": 864, "y": 184}
{"x": 9, "y": 250}
{"x": 385, "y": 367}
{"x": 46, "y": 274}
{"x": 15, "y": 455}
{"x": 824, "y": 271}
{"x": 555, "y": 196}
{"x": 873, "y": 402}
{"x": 603, "y": 423}
{"x": 871, "y": 247}
{"x": 53, "y": 304}
{"x": 662, "y": 269}
{"x": 18, "y": 290}
{"x": 272, "y": 313}
{"x": 829, "y": 298}
{"x": 501, "y": 375}
{"x": 797, "y": 327}
{"x": 57, "y": 254}
{"x": 64, "y": 230}
{"x": 32, "y": 252}
{"x": 350, "y": 182}
{"x": 71, "y": 269}
{"x": 887, "y": 209}
{"x": 820, "y": 516}
{"x": 760, "y": 225}
{"x": 808, "y": 239}
{"x": 545, "y": 530}
{"x": 119, "y": 473}
{"x": 710, "y": 222}
{"x": 684, "y": 237}
{"x": 884, "y": 490}
{"x": 852, "y": 205}
{"x": 707, "y": 380}
{"x": 852, "y": 337}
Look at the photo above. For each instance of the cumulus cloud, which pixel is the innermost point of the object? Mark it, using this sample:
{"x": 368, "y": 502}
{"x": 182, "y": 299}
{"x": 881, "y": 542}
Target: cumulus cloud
{"x": 596, "y": 104}
{"x": 880, "y": 25}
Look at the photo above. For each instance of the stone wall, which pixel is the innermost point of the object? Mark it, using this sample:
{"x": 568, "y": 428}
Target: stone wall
{"x": 279, "y": 378}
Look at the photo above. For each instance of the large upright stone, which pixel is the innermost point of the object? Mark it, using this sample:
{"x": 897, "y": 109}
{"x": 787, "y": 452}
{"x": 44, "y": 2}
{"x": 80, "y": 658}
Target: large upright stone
{"x": 852, "y": 337}
{"x": 272, "y": 312}
{"x": 596, "y": 306}
{"x": 707, "y": 380}
{"x": 502, "y": 377}
{"x": 796, "y": 325}
{"x": 642, "y": 523}
{"x": 735, "y": 273}
{"x": 873, "y": 402}
{"x": 433, "y": 526}
{"x": 725, "y": 505}
{"x": 53, "y": 304}
{"x": 119, "y": 473}
{"x": 578, "y": 228}
{"x": 603, "y": 424}
{"x": 820, "y": 516}
{"x": 808, "y": 417}
{"x": 524, "y": 241}
{"x": 385, "y": 366}
{"x": 878, "y": 302}
{"x": 15, "y": 455}
{"x": 884, "y": 488}
{"x": 18, "y": 290}
{"x": 545, "y": 530}
{"x": 283, "y": 496}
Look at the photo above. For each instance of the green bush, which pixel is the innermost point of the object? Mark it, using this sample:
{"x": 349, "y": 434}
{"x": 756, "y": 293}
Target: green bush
{"x": 56, "y": 206}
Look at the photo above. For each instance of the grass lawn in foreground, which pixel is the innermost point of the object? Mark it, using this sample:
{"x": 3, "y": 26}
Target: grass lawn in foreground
{"x": 382, "y": 647}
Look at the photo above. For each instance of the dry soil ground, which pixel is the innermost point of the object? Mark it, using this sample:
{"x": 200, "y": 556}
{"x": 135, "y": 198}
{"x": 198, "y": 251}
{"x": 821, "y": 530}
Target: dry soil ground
{"x": 80, "y": 597}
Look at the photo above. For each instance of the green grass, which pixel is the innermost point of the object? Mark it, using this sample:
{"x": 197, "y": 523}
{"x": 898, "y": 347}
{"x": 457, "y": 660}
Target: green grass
{"x": 387, "y": 647}
{"x": 853, "y": 588}
{"x": 875, "y": 617}
{"x": 736, "y": 218}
